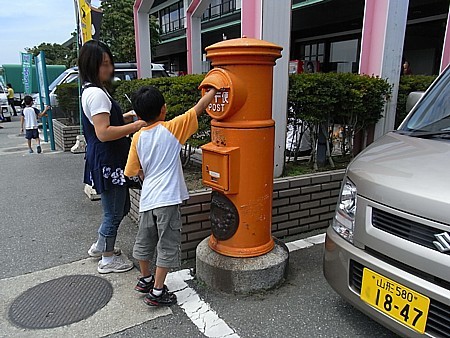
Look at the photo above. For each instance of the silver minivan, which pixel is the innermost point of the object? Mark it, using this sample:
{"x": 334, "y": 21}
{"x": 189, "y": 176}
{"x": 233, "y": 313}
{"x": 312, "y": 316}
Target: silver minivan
{"x": 122, "y": 72}
{"x": 5, "y": 108}
{"x": 387, "y": 251}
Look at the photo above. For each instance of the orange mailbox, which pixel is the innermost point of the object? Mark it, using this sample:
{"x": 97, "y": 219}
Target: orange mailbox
{"x": 238, "y": 162}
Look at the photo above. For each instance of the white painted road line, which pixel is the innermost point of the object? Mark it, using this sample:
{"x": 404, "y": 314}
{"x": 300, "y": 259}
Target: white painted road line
{"x": 306, "y": 242}
{"x": 198, "y": 311}
{"x": 298, "y": 244}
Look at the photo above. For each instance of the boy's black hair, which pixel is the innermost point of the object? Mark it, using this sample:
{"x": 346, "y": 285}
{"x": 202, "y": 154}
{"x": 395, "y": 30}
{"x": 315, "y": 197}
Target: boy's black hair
{"x": 28, "y": 100}
{"x": 147, "y": 103}
{"x": 8, "y": 85}
{"x": 90, "y": 60}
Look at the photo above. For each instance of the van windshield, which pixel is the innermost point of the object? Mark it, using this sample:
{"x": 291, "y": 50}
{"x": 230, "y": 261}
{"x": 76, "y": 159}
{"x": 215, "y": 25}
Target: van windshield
{"x": 432, "y": 115}
{"x": 58, "y": 80}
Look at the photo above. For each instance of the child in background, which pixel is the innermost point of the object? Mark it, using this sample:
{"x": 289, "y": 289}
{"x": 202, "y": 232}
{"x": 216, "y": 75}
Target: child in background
{"x": 29, "y": 118}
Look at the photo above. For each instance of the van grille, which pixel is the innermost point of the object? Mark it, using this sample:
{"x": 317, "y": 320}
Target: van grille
{"x": 401, "y": 227}
{"x": 413, "y": 271}
{"x": 438, "y": 323}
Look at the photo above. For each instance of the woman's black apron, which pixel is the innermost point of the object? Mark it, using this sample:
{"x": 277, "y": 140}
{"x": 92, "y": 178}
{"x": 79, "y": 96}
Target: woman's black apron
{"x": 105, "y": 161}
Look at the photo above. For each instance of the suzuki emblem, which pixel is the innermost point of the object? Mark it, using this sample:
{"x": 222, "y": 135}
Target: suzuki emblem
{"x": 443, "y": 242}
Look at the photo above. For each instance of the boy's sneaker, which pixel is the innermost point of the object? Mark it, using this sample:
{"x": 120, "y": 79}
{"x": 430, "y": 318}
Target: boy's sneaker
{"x": 165, "y": 299}
{"x": 117, "y": 264}
{"x": 94, "y": 252}
{"x": 39, "y": 149}
{"x": 31, "y": 151}
{"x": 143, "y": 286}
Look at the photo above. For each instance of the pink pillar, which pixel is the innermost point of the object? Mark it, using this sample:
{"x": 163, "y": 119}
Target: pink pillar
{"x": 270, "y": 20}
{"x": 189, "y": 13}
{"x": 194, "y": 14}
{"x": 251, "y": 18}
{"x": 382, "y": 42}
{"x": 445, "y": 60}
{"x": 136, "y": 6}
{"x": 141, "y": 10}
{"x": 372, "y": 42}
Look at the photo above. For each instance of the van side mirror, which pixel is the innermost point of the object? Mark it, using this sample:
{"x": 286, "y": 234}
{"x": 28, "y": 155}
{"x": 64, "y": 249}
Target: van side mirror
{"x": 412, "y": 99}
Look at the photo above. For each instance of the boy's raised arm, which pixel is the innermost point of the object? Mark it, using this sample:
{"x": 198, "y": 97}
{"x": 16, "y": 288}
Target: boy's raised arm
{"x": 44, "y": 112}
{"x": 204, "y": 101}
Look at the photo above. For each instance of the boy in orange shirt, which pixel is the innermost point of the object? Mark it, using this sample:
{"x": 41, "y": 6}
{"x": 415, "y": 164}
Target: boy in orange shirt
{"x": 155, "y": 150}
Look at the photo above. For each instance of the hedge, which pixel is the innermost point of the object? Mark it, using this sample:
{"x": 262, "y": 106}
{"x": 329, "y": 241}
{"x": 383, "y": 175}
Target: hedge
{"x": 68, "y": 101}
{"x": 180, "y": 93}
{"x": 340, "y": 98}
{"x": 408, "y": 84}
{"x": 321, "y": 100}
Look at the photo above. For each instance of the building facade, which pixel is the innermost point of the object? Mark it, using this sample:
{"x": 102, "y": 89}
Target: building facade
{"x": 325, "y": 34}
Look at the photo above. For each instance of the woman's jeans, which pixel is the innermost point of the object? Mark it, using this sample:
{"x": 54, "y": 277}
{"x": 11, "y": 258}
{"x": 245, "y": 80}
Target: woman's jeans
{"x": 116, "y": 204}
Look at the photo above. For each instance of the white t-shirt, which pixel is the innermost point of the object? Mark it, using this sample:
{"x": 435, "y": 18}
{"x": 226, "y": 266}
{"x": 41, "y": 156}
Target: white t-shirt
{"x": 29, "y": 114}
{"x": 156, "y": 149}
{"x": 95, "y": 101}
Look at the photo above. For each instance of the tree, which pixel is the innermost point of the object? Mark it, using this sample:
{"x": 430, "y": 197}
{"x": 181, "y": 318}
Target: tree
{"x": 72, "y": 58}
{"x": 117, "y": 29}
{"x": 55, "y": 54}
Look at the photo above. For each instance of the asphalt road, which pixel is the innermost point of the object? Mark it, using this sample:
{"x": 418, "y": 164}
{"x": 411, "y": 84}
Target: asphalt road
{"x": 305, "y": 306}
{"x": 46, "y": 221}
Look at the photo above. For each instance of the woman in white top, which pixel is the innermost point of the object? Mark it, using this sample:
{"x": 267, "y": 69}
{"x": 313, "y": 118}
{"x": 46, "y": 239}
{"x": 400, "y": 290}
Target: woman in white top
{"x": 106, "y": 130}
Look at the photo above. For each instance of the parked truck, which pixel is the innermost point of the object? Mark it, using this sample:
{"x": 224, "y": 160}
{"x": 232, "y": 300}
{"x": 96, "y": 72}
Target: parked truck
{"x": 12, "y": 73}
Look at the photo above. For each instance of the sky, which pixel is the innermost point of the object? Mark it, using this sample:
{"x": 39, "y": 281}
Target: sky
{"x": 28, "y": 23}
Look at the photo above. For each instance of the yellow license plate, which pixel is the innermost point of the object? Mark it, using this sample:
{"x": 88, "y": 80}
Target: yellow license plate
{"x": 395, "y": 300}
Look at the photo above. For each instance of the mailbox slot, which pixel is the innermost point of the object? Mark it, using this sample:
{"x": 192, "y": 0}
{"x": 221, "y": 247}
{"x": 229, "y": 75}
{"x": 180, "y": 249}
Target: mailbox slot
{"x": 231, "y": 93}
{"x": 220, "y": 168}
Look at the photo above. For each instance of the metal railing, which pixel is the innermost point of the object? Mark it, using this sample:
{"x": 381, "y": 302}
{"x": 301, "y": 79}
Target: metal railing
{"x": 217, "y": 11}
{"x": 172, "y": 26}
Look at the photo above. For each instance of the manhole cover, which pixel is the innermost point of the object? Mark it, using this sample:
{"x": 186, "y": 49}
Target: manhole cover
{"x": 59, "y": 302}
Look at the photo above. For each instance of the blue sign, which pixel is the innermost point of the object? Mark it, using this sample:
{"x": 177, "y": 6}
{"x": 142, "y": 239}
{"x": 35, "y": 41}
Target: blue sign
{"x": 27, "y": 62}
{"x": 41, "y": 69}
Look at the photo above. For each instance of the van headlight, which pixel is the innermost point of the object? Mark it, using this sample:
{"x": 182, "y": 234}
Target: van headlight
{"x": 344, "y": 219}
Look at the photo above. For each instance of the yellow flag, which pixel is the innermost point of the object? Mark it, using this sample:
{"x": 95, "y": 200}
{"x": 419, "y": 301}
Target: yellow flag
{"x": 85, "y": 21}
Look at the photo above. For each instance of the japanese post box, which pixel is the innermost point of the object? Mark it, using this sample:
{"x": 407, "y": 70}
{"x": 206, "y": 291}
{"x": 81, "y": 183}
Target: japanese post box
{"x": 238, "y": 162}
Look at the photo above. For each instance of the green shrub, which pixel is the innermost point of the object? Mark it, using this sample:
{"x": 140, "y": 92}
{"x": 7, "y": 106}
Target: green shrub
{"x": 181, "y": 94}
{"x": 323, "y": 99}
{"x": 314, "y": 98}
{"x": 350, "y": 99}
{"x": 408, "y": 84}
{"x": 363, "y": 100}
{"x": 68, "y": 102}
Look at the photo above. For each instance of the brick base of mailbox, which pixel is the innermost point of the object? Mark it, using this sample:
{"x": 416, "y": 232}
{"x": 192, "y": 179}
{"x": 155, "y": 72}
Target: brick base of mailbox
{"x": 300, "y": 204}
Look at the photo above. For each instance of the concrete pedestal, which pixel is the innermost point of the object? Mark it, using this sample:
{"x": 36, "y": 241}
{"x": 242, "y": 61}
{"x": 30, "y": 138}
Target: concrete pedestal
{"x": 242, "y": 275}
